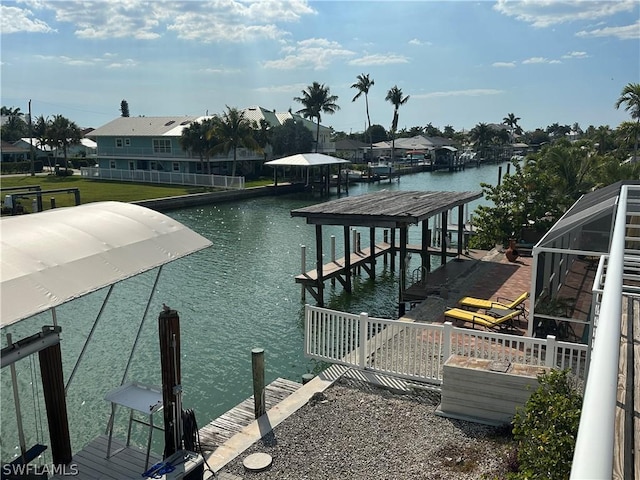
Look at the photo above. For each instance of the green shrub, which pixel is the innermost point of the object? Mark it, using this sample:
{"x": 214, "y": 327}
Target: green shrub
{"x": 545, "y": 428}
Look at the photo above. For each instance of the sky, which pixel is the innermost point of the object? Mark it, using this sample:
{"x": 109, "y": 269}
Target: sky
{"x": 461, "y": 63}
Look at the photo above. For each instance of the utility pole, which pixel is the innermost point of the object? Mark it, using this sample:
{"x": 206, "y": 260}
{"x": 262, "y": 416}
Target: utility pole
{"x": 33, "y": 170}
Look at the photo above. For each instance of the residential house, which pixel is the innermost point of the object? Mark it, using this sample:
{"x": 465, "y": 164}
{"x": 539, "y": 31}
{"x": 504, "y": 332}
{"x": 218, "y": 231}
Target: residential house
{"x": 352, "y": 150}
{"x": 153, "y": 144}
{"x": 14, "y": 153}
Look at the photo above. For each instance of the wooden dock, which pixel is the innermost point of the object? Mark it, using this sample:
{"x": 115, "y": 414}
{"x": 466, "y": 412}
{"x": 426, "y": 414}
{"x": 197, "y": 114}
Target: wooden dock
{"x": 91, "y": 462}
{"x": 227, "y": 425}
{"x": 336, "y": 268}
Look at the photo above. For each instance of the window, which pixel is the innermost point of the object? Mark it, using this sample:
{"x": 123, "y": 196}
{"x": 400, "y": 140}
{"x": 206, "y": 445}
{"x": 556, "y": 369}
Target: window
{"x": 112, "y": 164}
{"x": 118, "y": 143}
{"x": 176, "y": 166}
{"x": 153, "y": 166}
{"x": 127, "y": 142}
{"x": 161, "y": 145}
{"x": 132, "y": 165}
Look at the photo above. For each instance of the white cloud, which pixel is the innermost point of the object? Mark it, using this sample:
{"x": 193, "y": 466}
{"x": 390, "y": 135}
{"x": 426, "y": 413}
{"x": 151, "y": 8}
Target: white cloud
{"x": 72, "y": 62}
{"x": 503, "y": 64}
{"x": 291, "y": 88}
{"x": 315, "y": 53}
{"x": 533, "y": 60}
{"x": 627, "y": 32}
{"x": 220, "y": 70}
{"x": 14, "y": 20}
{"x": 474, "y": 92}
{"x": 576, "y": 55}
{"x": 547, "y": 13}
{"x": 418, "y": 42}
{"x": 204, "y": 21}
{"x": 379, "y": 59}
{"x": 126, "y": 63}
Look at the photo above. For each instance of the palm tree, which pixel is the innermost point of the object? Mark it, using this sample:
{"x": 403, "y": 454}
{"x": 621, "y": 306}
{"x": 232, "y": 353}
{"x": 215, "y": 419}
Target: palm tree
{"x": 317, "y": 100}
{"x": 41, "y": 134}
{"x": 512, "y": 121}
{"x": 194, "y": 139}
{"x": 232, "y": 130}
{"x": 481, "y": 135}
{"x": 630, "y": 96}
{"x": 363, "y": 85}
{"x": 394, "y": 95}
{"x": 64, "y": 133}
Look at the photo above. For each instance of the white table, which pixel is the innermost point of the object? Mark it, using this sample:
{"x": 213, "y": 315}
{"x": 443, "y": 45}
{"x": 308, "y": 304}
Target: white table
{"x": 137, "y": 397}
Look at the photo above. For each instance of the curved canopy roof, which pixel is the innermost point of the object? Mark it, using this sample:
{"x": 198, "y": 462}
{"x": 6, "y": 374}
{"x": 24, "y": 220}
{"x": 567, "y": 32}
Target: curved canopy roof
{"x": 49, "y": 258}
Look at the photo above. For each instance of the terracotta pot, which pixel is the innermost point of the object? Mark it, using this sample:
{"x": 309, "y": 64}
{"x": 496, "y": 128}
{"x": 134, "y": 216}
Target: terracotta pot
{"x": 511, "y": 253}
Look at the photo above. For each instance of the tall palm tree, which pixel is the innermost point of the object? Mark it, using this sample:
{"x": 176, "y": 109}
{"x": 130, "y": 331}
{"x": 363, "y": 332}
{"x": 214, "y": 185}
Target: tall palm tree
{"x": 363, "y": 85}
{"x": 41, "y": 134}
{"x": 64, "y": 133}
{"x": 512, "y": 121}
{"x": 394, "y": 95}
{"x": 317, "y": 99}
{"x": 630, "y": 96}
{"x": 232, "y": 130}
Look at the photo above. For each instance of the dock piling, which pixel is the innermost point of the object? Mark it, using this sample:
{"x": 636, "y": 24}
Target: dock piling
{"x": 257, "y": 368}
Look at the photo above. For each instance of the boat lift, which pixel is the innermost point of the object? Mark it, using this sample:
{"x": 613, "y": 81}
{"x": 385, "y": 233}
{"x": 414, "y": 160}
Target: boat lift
{"x": 53, "y": 257}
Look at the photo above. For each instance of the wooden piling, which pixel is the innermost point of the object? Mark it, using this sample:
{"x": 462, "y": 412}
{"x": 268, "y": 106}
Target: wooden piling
{"x": 55, "y": 403}
{"x": 169, "y": 333}
{"x": 257, "y": 368}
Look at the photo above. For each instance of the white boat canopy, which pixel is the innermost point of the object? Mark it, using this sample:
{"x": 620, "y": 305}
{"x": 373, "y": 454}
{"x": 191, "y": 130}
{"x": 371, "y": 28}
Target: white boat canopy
{"x": 306, "y": 160}
{"x": 52, "y": 257}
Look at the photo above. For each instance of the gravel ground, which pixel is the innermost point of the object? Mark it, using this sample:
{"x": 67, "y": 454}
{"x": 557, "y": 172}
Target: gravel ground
{"x": 358, "y": 431}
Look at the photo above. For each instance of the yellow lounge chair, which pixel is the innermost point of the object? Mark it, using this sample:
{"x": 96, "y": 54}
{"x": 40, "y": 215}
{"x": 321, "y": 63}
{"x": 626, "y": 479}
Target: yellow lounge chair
{"x": 472, "y": 302}
{"x": 488, "y": 321}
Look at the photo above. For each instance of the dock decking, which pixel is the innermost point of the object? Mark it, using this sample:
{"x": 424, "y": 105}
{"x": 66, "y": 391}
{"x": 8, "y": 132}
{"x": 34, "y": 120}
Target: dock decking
{"x": 124, "y": 463}
{"x": 227, "y": 425}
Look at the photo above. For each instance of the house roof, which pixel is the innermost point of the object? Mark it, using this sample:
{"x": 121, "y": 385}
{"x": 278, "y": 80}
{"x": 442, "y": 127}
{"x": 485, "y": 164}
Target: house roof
{"x": 145, "y": 126}
{"x": 11, "y": 148}
{"x": 172, "y": 126}
{"x": 384, "y": 208}
{"x": 349, "y": 144}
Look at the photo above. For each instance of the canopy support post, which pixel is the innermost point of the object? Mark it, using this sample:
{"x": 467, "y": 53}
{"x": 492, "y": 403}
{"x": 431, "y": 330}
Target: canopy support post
{"x": 16, "y": 400}
{"x": 55, "y": 402}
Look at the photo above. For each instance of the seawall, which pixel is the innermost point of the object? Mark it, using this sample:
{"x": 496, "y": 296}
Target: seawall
{"x": 183, "y": 201}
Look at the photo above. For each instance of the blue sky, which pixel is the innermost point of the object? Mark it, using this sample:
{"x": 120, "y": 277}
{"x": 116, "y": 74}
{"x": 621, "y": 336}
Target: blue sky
{"x": 460, "y": 62}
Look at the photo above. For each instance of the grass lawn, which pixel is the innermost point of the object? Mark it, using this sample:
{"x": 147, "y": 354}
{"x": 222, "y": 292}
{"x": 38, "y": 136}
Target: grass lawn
{"x": 97, "y": 190}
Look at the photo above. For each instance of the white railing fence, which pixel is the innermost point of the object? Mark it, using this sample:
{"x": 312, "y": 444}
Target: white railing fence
{"x": 170, "y": 178}
{"x": 418, "y": 351}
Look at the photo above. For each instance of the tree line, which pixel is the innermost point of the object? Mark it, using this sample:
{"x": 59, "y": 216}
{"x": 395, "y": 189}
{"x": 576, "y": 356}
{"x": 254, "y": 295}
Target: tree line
{"x": 226, "y": 132}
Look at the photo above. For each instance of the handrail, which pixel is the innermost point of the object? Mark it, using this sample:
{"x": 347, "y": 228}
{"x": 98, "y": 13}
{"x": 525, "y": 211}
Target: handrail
{"x": 417, "y": 350}
{"x": 593, "y": 455}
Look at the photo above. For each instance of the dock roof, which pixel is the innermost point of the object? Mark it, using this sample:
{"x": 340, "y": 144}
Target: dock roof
{"x": 391, "y": 209}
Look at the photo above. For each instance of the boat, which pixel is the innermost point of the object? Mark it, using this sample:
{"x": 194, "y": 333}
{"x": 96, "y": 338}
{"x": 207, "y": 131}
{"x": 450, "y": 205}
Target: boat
{"x": 468, "y": 156}
{"x": 382, "y": 168}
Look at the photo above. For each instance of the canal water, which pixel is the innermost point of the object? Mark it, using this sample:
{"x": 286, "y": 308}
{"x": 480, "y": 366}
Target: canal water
{"x": 234, "y": 296}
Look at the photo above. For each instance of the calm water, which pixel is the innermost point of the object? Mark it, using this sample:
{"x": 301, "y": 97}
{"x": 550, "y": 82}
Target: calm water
{"x": 234, "y": 296}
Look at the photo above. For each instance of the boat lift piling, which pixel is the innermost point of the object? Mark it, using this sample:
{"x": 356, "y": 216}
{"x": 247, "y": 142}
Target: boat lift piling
{"x": 169, "y": 333}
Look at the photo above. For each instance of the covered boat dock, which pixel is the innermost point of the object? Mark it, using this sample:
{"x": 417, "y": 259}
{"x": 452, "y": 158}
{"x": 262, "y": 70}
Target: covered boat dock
{"x": 392, "y": 211}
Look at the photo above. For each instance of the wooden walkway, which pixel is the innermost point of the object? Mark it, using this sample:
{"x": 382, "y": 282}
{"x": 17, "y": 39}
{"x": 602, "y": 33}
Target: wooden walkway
{"x": 91, "y": 463}
{"x": 227, "y": 425}
{"x": 336, "y": 268}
